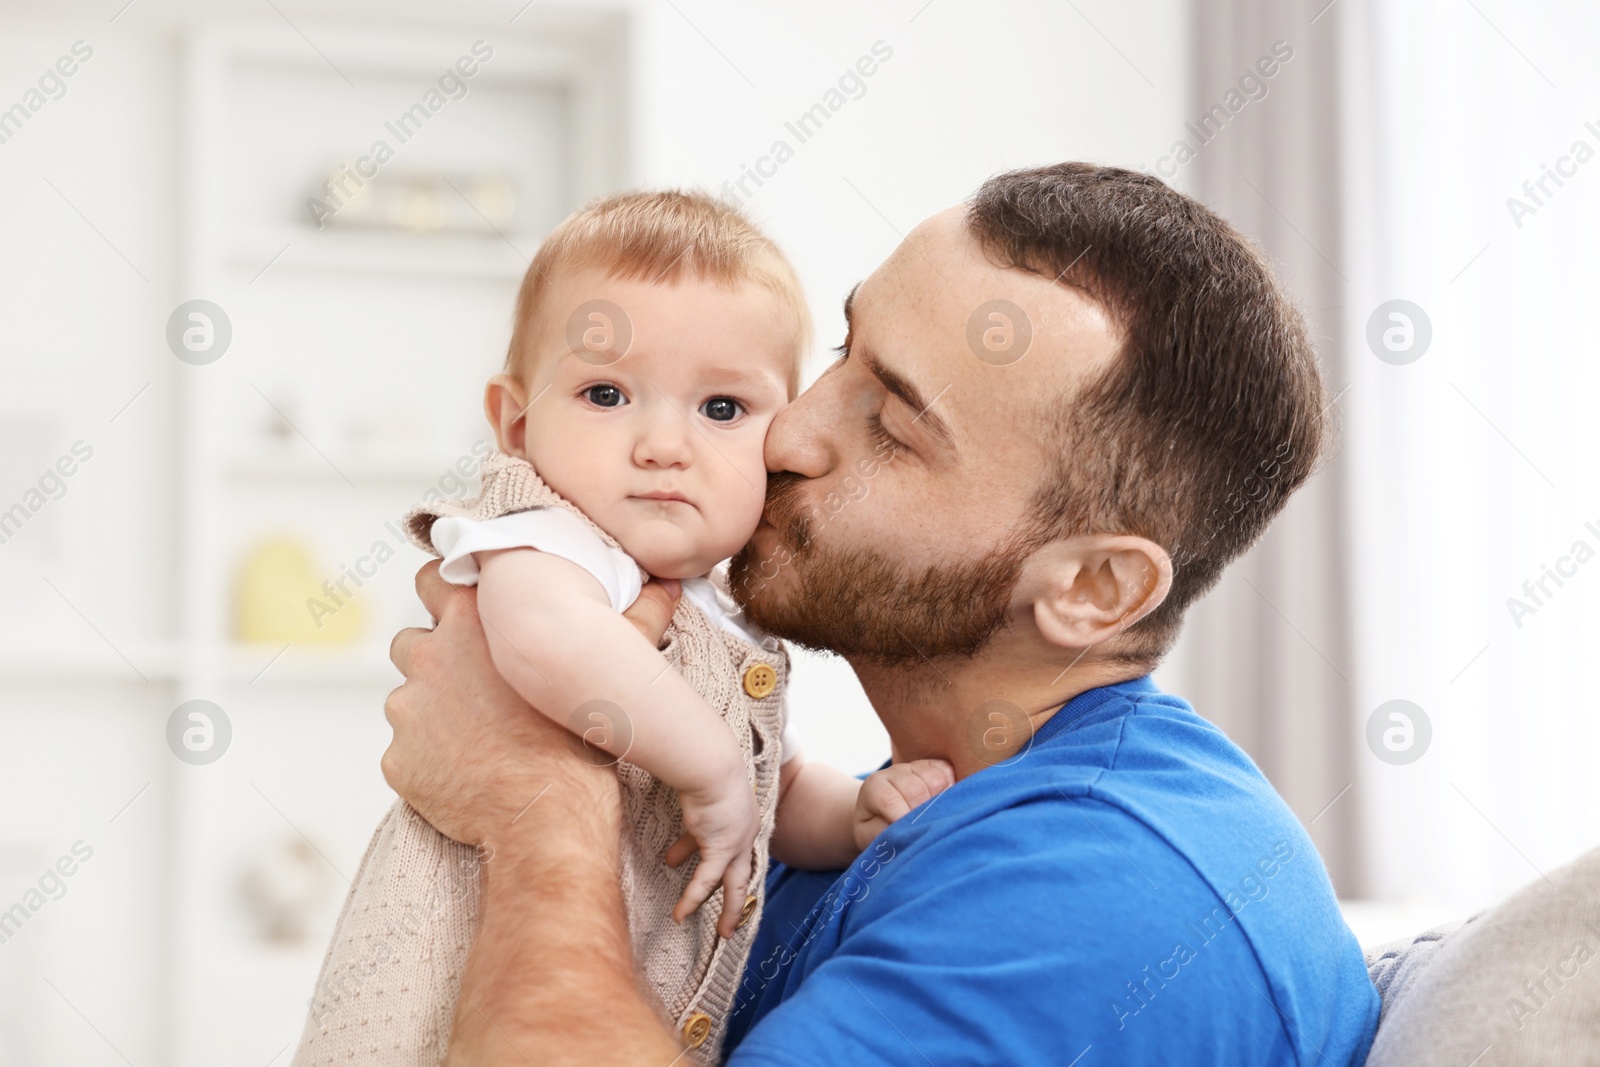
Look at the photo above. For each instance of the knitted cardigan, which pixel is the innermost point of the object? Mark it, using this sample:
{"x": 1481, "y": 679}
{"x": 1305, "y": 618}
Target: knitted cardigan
{"x": 392, "y": 972}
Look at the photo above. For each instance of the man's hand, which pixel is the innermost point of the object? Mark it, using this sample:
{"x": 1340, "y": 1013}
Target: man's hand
{"x": 551, "y": 973}
{"x": 468, "y": 753}
{"x": 892, "y": 792}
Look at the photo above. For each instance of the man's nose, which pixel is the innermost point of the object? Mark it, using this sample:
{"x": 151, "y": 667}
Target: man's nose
{"x": 665, "y": 439}
{"x": 804, "y": 437}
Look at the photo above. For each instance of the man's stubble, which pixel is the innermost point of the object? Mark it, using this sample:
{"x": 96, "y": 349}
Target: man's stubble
{"x": 863, "y": 604}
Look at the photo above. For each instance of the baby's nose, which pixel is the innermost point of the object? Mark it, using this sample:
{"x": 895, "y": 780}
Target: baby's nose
{"x": 666, "y": 440}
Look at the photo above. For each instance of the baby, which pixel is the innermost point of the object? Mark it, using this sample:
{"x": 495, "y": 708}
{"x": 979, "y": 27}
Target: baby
{"x": 656, "y": 337}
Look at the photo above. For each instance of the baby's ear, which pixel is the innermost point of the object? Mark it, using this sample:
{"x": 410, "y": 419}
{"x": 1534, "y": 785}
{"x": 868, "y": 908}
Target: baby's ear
{"x": 505, "y": 406}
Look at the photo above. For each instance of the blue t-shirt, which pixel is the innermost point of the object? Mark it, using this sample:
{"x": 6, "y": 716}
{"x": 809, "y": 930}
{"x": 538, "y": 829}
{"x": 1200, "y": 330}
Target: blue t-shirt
{"x": 1127, "y": 890}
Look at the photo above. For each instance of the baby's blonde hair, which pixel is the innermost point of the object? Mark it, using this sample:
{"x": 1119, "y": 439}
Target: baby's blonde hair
{"x": 661, "y": 237}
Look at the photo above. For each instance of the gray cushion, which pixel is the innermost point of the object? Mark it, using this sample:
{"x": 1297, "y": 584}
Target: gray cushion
{"x": 1516, "y": 984}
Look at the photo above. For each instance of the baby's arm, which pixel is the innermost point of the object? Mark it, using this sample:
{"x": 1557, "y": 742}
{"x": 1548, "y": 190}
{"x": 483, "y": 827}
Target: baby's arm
{"x": 554, "y": 636}
{"x": 826, "y": 817}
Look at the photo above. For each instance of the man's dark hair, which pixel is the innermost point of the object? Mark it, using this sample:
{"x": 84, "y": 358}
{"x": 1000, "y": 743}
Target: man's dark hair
{"x": 1214, "y": 410}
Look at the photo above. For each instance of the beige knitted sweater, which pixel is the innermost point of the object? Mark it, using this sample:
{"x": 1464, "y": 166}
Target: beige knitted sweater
{"x": 392, "y": 973}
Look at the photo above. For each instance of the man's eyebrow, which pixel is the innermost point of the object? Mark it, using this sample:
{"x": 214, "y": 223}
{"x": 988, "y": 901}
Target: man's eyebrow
{"x": 912, "y": 397}
{"x": 897, "y": 383}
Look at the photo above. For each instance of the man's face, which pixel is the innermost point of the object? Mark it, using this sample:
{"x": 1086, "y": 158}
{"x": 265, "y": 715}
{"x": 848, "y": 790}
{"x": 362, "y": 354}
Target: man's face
{"x": 896, "y": 517}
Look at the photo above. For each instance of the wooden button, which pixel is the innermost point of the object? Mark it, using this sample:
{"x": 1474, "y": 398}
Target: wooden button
{"x": 748, "y": 910}
{"x": 760, "y": 680}
{"x": 696, "y": 1029}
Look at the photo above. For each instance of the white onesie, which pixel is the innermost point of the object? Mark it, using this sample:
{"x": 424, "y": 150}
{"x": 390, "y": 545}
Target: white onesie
{"x": 561, "y": 533}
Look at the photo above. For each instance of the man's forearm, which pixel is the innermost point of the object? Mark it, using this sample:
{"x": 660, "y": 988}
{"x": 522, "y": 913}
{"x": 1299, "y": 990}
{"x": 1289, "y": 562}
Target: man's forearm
{"x": 550, "y": 978}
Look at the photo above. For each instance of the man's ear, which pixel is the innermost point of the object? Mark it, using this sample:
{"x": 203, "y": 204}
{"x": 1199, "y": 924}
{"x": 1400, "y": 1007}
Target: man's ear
{"x": 1089, "y": 589}
{"x": 505, "y": 406}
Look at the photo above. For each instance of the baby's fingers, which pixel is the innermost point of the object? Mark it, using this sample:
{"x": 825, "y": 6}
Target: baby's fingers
{"x": 927, "y": 779}
{"x": 869, "y": 827}
{"x": 681, "y": 849}
{"x": 700, "y": 887}
{"x": 885, "y": 798}
{"x": 735, "y": 886}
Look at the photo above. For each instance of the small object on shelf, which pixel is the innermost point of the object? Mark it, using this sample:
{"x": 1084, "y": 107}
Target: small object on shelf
{"x": 278, "y": 423}
{"x": 282, "y": 888}
{"x": 279, "y": 599}
{"x": 386, "y": 432}
{"x": 415, "y": 201}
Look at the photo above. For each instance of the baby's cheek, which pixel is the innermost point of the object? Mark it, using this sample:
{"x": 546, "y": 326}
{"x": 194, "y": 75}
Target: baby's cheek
{"x": 742, "y": 506}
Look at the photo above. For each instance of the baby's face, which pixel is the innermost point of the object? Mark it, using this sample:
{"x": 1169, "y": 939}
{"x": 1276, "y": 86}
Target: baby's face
{"x": 663, "y": 447}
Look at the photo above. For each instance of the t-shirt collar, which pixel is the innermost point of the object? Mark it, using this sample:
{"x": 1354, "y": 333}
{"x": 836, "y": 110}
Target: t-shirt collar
{"x": 1090, "y": 700}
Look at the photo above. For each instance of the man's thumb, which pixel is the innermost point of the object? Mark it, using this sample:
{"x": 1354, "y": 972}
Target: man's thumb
{"x": 653, "y": 610}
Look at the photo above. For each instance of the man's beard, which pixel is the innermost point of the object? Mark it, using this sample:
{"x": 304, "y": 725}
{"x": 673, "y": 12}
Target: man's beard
{"x": 860, "y": 603}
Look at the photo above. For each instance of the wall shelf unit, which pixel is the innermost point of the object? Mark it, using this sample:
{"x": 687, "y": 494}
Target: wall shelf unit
{"x": 350, "y": 388}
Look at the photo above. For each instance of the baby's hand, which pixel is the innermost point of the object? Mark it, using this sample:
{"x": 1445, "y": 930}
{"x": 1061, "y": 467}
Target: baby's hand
{"x": 722, "y": 828}
{"x": 892, "y": 792}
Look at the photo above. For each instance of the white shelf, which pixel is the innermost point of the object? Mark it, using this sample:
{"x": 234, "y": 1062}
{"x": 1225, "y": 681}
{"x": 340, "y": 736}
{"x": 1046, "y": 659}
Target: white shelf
{"x": 162, "y": 662}
{"x": 356, "y": 664}
{"x": 263, "y": 117}
{"x": 294, "y": 465}
{"x": 91, "y": 660}
{"x": 471, "y": 257}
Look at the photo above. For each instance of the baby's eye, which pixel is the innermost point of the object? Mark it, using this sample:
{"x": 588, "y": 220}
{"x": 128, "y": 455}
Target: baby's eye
{"x": 605, "y": 396}
{"x": 722, "y": 409}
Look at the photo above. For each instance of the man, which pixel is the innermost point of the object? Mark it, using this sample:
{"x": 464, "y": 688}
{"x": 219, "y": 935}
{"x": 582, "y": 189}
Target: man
{"x": 1061, "y": 409}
